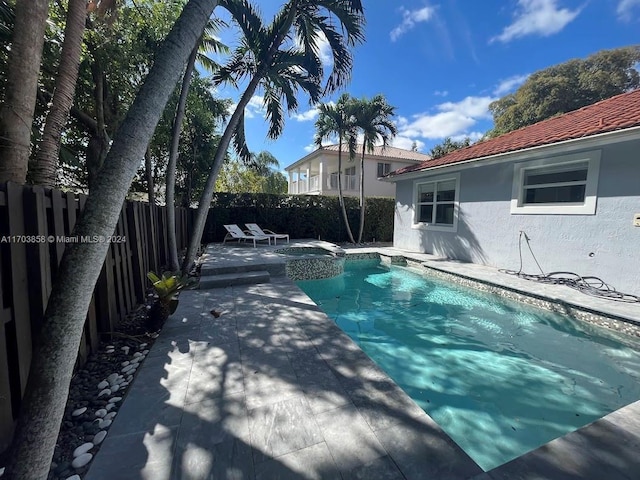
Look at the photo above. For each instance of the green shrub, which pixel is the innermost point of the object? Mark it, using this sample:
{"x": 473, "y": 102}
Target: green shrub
{"x": 301, "y": 216}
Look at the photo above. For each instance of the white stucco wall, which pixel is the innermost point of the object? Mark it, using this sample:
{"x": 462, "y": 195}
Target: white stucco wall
{"x": 606, "y": 244}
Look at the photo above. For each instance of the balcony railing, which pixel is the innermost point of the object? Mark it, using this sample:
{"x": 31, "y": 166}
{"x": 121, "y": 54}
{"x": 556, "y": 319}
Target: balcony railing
{"x": 349, "y": 182}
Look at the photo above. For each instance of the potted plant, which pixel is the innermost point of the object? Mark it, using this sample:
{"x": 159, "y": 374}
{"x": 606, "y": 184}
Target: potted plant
{"x": 167, "y": 288}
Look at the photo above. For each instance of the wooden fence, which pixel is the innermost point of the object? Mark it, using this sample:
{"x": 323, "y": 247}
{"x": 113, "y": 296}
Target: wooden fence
{"x": 34, "y": 224}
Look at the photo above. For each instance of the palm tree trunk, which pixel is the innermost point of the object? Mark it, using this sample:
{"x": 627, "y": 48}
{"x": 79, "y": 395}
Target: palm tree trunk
{"x": 343, "y": 207}
{"x": 19, "y": 103}
{"x": 43, "y": 170}
{"x": 207, "y": 192}
{"x": 361, "y": 229}
{"x": 56, "y": 349}
{"x": 173, "y": 159}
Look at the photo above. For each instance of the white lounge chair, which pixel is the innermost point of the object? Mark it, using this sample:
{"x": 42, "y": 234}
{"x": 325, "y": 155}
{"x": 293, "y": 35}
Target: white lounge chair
{"x": 256, "y": 230}
{"x": 233, "y": 231}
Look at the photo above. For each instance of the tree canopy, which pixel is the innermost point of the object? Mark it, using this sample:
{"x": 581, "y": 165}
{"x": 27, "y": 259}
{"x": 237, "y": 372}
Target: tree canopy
{"x": 447, "y": 146}
{"x": 568, "y": 86}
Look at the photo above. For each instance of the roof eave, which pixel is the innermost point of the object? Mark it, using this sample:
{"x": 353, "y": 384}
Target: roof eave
{"x": 626, "y": 134}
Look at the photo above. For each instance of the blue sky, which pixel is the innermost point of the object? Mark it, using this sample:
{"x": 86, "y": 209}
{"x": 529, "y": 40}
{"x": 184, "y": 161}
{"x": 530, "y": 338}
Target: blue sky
{"x": 441, "y": 63}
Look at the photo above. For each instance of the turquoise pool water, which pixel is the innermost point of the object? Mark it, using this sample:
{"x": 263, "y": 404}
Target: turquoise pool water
{"x": 500, "y": 377}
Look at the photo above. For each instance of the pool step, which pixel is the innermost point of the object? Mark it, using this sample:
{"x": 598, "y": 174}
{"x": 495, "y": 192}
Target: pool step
{"x": 237, "y": 278}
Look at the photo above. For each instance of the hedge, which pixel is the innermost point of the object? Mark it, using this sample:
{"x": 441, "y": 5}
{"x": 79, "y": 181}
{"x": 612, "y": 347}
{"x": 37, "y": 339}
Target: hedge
{"x": 301, "y": 216}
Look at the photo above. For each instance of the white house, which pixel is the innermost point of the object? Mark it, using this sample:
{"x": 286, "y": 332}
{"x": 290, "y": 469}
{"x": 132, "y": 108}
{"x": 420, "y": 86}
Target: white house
{"x": 317, "y": 173}
{"x": 570, "y": 183}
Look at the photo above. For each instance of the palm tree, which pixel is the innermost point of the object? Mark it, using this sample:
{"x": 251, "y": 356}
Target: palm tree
{"x": 373, "y": 120}
{"x": 207, "y": 43}
{"x": 338, "y": 120}
{"x": 43, "y": 170}
{"x": 56, "y": 349}
{"x": 281, "y": 59}
{"x": 19, "y": 102}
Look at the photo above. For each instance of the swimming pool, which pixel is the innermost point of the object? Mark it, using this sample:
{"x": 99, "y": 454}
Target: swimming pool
{"x": 500, "y": 377}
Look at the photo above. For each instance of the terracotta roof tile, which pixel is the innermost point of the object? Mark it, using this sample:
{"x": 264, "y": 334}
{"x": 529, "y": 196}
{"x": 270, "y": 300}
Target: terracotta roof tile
{"x": 615, "y": 113}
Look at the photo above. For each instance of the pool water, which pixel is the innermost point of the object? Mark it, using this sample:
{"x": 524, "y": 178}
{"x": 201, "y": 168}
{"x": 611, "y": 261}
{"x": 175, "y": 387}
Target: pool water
{"x": 500, "y": 377}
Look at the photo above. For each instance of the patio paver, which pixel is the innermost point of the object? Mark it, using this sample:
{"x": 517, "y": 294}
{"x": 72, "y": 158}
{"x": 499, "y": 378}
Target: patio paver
{"x": 273, "y": 389}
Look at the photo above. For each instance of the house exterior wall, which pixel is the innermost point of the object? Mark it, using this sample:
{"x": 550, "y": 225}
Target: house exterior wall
{"x": 606, "y": 244}
{"x": 372, "y": 186}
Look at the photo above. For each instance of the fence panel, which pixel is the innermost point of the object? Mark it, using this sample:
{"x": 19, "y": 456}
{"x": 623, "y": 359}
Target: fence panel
{"x": 28, "y": 269}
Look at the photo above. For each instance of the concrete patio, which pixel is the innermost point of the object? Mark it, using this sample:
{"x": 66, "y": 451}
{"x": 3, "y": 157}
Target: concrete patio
{"x": 273, "y": 389}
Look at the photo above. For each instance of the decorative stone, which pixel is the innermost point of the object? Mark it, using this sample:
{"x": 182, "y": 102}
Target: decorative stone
{"x": 115, "y": 399}
{"x": 97, "y": 440}
{"x": 101, "y": 413}
{"x": 74, "y": 477}
{"x": 82, "y": 449}
{"x": 104, "y": 392}
{"x": 145, "y": 352}
{"x": 129, "y": 378}
{"x": 137, "y": 354}
{"x": 111, "y": 416}
{"x": 125, "y": 363}
{"x": 125, "y": 349}
{"x": 138, "y": 359}
{"x": 104, "y": 424}
{"x": 110, "y": 347}
{"x": 103, "y": 384}
{"x": 110, "y": 406}
{"x": 127, "y": 368}
{"x": 142, "y": 345}
{"x": 112, "y": 377}
{"x": 78, "y": 412}
{"x": 115, "y": 388}
{"x": 1, "y": 471}
{"x": 82, "y": 460}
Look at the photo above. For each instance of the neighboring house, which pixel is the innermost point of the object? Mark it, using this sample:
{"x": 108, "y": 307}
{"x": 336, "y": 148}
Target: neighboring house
{"x": 317, "y": 173}
{"x": 571, "y": 183}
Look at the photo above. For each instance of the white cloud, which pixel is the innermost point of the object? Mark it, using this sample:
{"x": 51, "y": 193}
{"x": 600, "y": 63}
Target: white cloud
{"x": 401, "y": 141}
{"x": 409, "y": 20}
{"x": 452, "y": 118}
{"x": 310, "y": 148}
{"x": 625, "y": 8}
{"x": 537, "y": 17}
{"x": 254, "y": 108}
{"x": 307, "y": 116}
{"x": 441, "y": 93}
{"x": 510, "y": 84}
{"x": 474, "y": 136}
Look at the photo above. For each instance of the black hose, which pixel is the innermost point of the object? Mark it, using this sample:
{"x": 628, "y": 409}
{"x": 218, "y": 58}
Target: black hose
{"x": 589, "y": 285}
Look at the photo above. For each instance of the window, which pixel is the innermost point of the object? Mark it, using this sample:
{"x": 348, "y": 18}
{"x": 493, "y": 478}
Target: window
{"x": 436, "y": 204}
{"x": 383, "y": 169}
{"x": 564, "y": 185}
{"x": 350, "y": 180}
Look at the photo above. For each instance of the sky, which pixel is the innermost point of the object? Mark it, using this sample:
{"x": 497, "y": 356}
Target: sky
{"x": 442, "y": 63}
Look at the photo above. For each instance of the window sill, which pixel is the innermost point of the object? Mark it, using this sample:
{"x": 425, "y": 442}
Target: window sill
{"x": 434, "y": 228}
{"x": 589, "y": 208}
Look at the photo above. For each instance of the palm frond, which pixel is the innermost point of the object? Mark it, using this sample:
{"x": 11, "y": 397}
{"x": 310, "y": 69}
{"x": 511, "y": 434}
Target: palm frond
{"x": 240, "y": 141}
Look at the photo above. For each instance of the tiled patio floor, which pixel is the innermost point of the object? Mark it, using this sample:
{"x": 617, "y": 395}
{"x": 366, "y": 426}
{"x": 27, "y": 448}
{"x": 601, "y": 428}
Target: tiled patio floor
{"x": 273, "y": 389}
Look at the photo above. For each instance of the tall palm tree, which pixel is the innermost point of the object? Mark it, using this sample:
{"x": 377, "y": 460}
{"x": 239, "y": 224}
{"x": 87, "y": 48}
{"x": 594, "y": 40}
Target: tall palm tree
{"x": 19, "y": 102}
{"x": 43, "y": 170}
{"x": 338, "y": 120}
{"x": 207, "y": 43}
{"x": 56, "y": 349}
{"x": 373, "y": 120}
{"x": 281, "y": 59}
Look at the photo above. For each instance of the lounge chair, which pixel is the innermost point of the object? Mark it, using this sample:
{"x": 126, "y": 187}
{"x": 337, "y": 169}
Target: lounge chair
{"x": 233, "y": 231}
{"x": 256, "y": 230}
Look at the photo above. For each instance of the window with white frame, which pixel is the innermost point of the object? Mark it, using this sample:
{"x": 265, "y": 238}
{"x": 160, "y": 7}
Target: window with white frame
{"x": 561, "y": 185}
{"x": 383, "y": 169}
{"x": 436, "y": 204}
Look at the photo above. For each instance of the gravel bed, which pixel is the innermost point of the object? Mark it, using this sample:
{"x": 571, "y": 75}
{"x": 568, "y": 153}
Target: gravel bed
{"x": 96, "y": 393}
